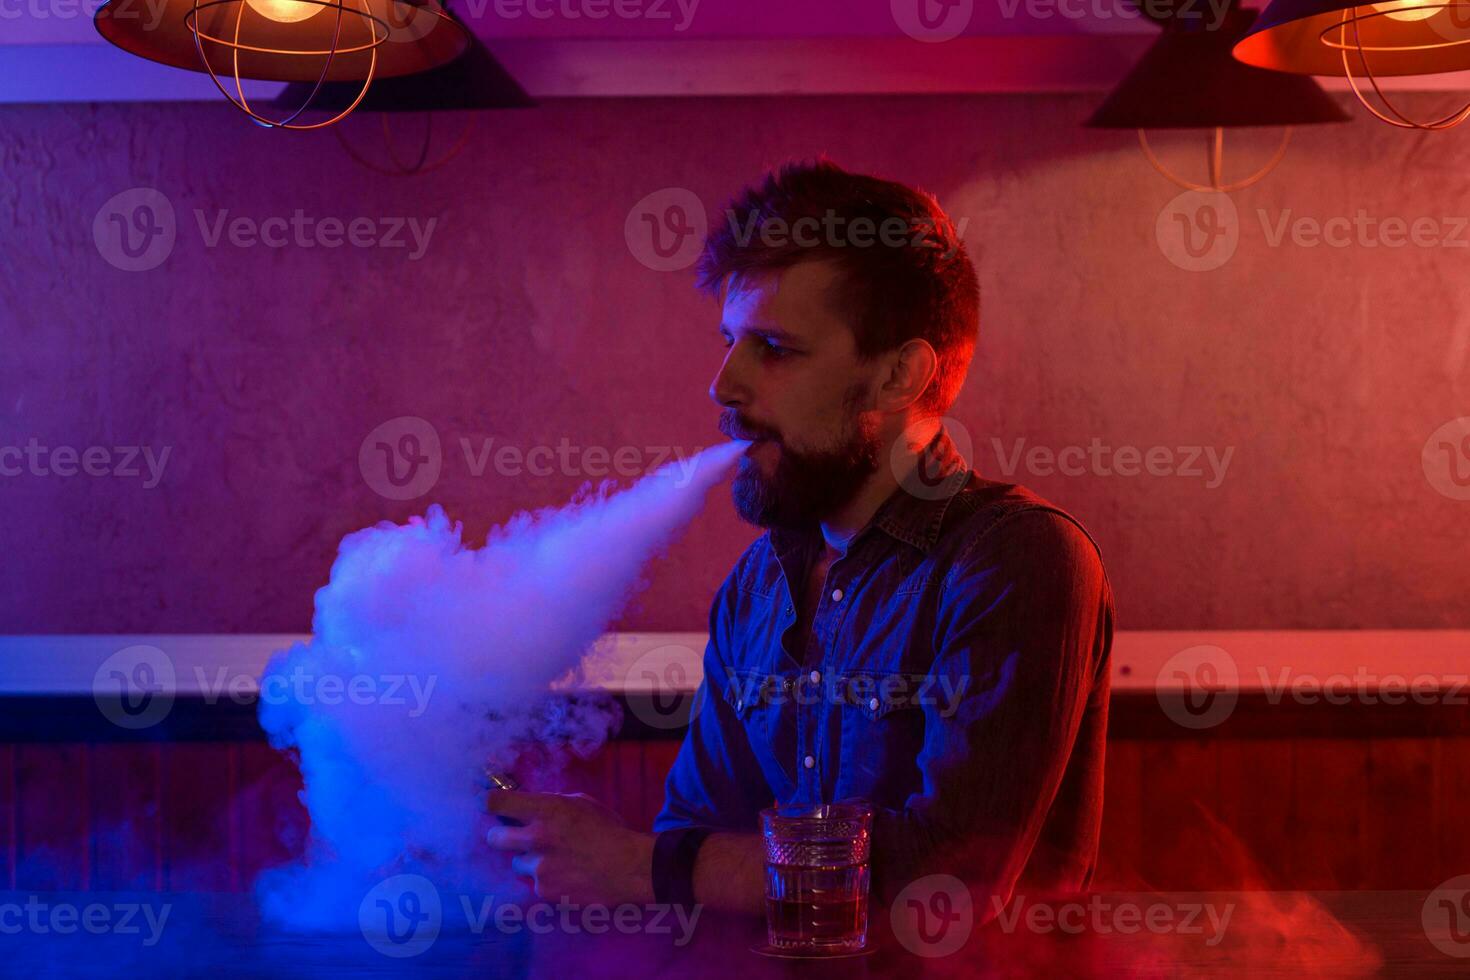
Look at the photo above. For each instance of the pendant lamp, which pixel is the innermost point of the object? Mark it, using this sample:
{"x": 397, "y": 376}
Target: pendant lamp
{"x": 1365, "y": 42}
{"x": 1188, "y": 80}
{"x": 317, "y": 42}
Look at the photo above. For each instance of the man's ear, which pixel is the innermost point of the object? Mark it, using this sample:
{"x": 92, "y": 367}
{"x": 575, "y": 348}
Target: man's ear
{"x": 910, "y": 370}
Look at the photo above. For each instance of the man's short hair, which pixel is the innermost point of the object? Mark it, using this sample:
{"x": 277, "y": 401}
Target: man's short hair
{"x": 905, "y": 273}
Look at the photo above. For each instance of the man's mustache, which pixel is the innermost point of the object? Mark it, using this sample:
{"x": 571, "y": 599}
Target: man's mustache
{"x": 734, "y": 427}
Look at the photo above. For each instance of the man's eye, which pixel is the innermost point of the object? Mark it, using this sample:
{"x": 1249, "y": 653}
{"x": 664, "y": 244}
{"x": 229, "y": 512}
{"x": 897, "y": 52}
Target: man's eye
{"x": 774, "y": 349}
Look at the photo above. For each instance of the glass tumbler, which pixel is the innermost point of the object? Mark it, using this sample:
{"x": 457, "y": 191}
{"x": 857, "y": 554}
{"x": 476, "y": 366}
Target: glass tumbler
{"x": 817, "y": 877}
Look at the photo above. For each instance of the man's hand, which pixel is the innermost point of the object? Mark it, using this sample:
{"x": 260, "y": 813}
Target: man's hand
{"x": 573, "y": 848}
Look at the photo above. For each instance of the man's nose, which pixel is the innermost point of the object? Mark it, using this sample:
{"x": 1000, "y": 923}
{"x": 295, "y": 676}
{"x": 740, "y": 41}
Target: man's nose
{"x": 727, "y": 389}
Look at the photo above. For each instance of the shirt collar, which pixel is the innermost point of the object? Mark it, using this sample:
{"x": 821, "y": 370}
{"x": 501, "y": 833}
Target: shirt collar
{"x": 913, "y": 513}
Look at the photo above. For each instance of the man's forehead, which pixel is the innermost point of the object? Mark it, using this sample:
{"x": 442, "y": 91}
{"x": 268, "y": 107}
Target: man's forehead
{"x": 797, "y": 299}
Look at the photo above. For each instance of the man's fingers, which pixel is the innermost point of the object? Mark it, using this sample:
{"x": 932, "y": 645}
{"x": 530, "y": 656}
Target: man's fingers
{"x": 521, "y": 805}
{"x": 518, "y": 839}
{"x": 525, "y": 864}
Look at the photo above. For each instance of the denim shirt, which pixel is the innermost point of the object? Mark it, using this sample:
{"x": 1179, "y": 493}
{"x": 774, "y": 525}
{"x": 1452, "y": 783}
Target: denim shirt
{"x": 956, "y": 676}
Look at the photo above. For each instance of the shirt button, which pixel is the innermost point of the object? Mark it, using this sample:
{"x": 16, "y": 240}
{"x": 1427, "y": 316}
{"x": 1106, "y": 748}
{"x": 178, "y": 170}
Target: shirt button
{"x": 816, "y": 677}
{"x": 836, "y": 595}
{"x": 809, "y": 762}
{"x": 873, "y": 705}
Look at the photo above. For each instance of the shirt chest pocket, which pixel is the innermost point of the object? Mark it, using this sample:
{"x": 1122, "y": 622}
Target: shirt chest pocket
{"x": 882, "y": 732}
{"x": 763, "y": 703}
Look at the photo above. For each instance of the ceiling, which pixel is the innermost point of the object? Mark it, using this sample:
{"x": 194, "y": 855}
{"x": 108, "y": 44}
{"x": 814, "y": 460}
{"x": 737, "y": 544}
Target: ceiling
{"x": 49, "y": 51}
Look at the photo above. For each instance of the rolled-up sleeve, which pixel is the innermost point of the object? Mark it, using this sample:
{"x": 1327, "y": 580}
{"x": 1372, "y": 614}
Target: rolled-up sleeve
{"x": 715, "y": 780}
{"x": 1024, "y": 624}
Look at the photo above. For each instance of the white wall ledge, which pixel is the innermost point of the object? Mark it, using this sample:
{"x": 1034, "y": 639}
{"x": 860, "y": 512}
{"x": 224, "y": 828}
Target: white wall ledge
{"x": 635, "y": 662}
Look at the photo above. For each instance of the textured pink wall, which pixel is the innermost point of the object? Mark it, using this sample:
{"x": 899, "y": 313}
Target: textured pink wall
{"x": 530, "y": 319}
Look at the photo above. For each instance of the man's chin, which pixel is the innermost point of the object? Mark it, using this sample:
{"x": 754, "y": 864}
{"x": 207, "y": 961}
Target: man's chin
{"x": 755, "y": 501}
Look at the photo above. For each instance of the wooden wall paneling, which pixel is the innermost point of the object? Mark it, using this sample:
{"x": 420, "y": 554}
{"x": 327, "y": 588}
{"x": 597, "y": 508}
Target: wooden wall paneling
{"x": 656, "y": 759}
{"x": 1179, "y": 804}
{"x": 1397, "y": 840}
{"x": 126, "y": 819}
{"x": 7, "y": 816}
{"x": 53, "y": 845}
{"x": 198, "y": 800}
{"x": 1328, "y": 807}
{"x": 1452, "y": 801}
{"x": 1255, "y": 783}
{"x": 1120, "y": 849}
{"x": 271, "y": 821}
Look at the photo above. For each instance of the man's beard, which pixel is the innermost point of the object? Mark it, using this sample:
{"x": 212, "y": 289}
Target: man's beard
{"x": 809, "y": 486}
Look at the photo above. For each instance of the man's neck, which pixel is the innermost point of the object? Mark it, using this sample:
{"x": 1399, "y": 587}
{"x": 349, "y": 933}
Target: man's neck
{"x": 839, "y": 529}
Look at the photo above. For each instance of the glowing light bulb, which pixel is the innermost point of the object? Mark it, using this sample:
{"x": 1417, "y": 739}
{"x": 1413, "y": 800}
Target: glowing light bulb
{"x": 285, "y": 11}
{"x": 1398, "y": 9}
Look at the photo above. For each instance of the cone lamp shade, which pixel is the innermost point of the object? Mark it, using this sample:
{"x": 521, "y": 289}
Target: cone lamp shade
{"x": 1311, "y": 37}
{"x": 288, "y": 40}
{"x": 1189, "y": 80}
{"x": 474, "y": 80}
